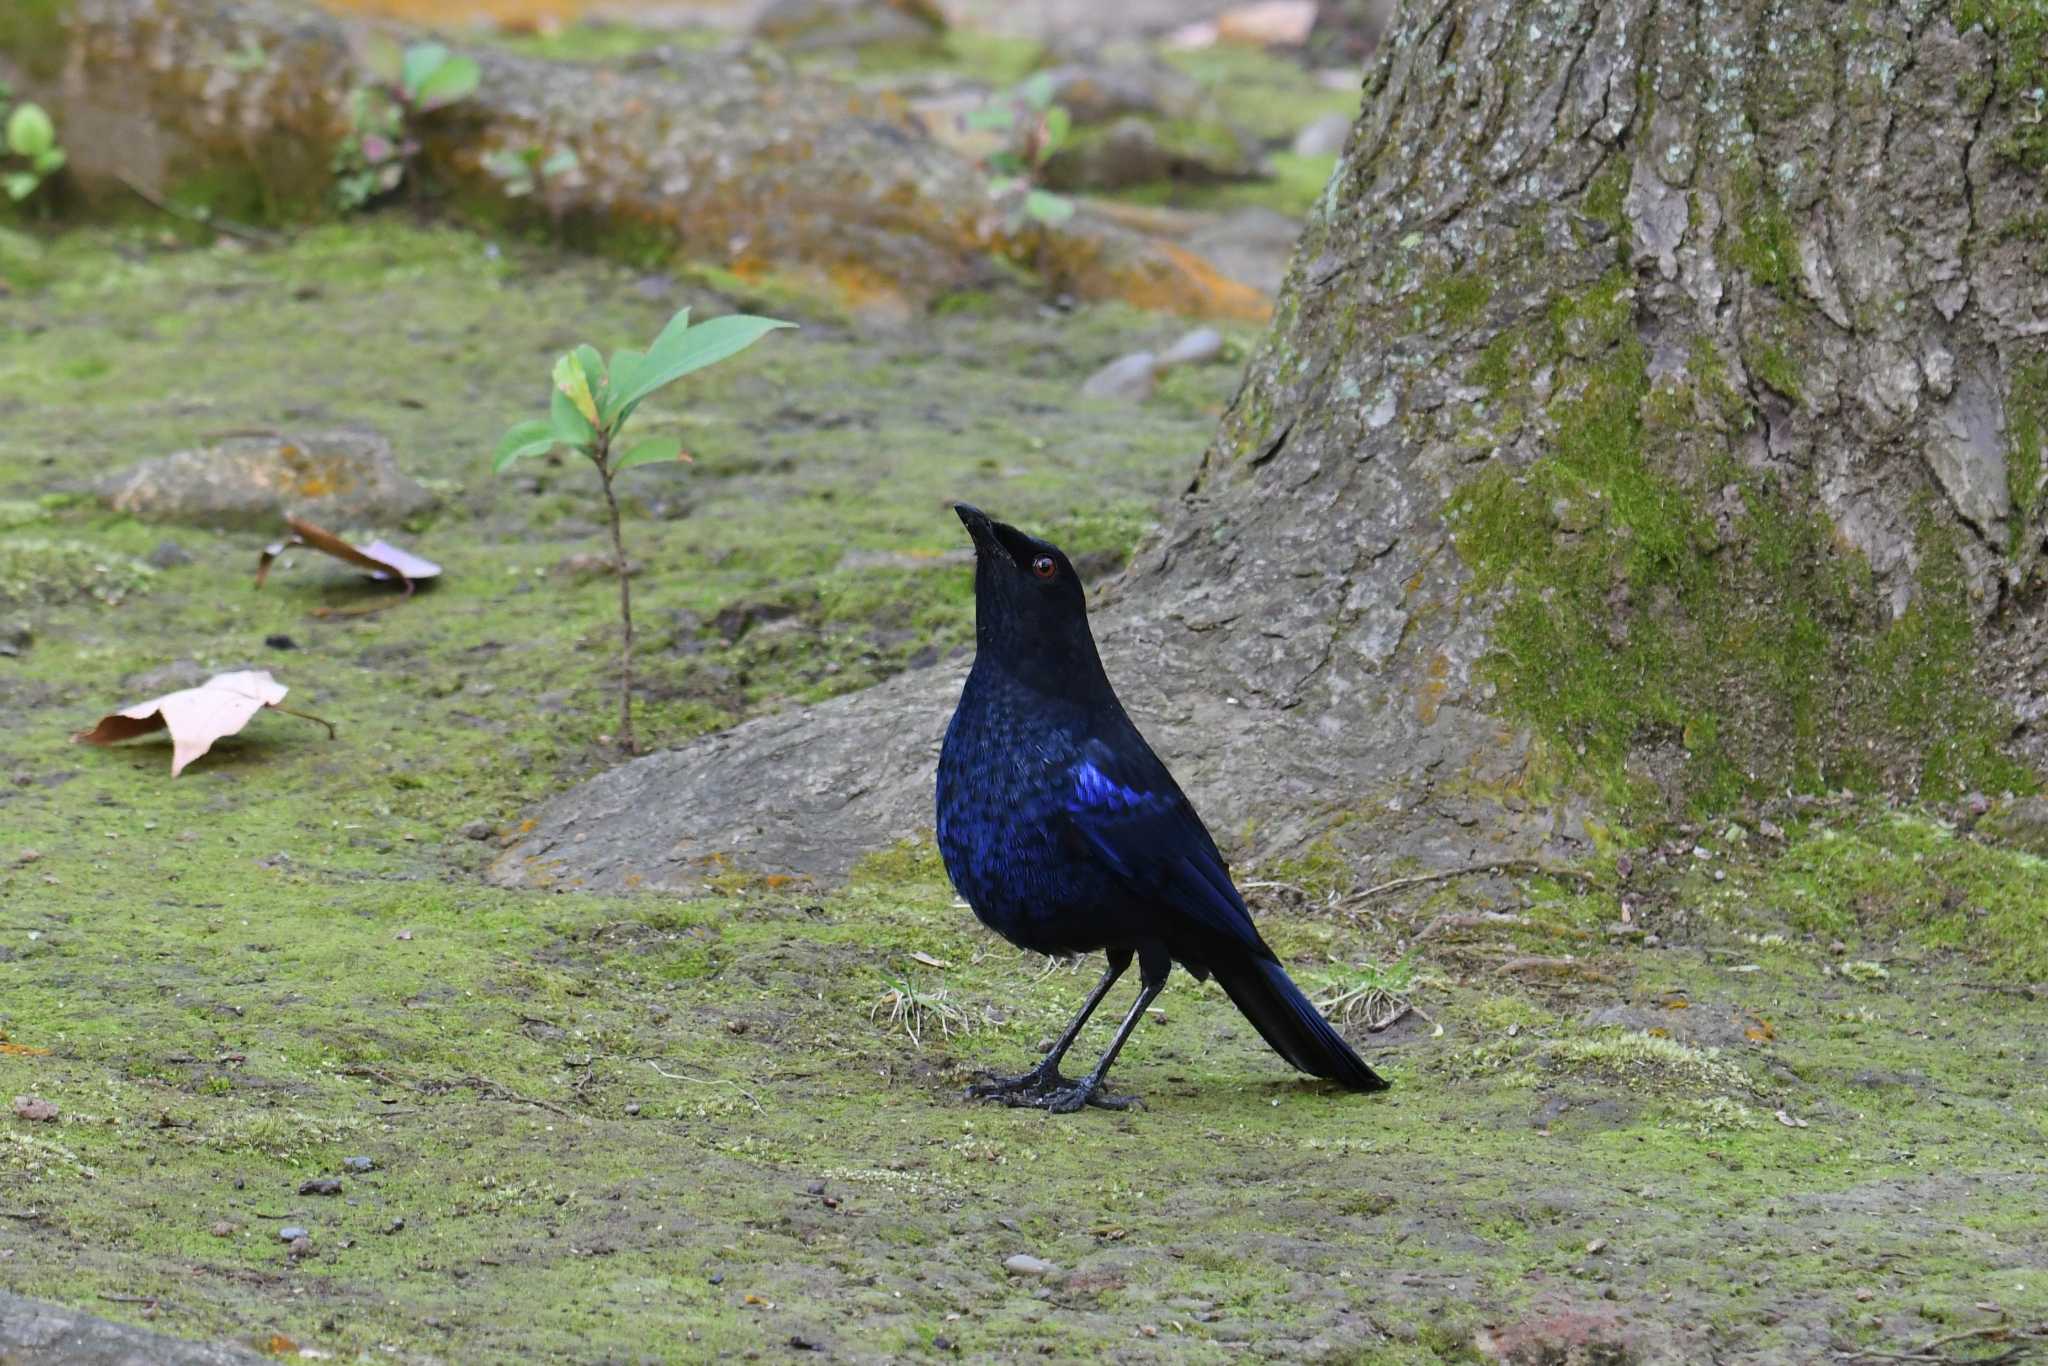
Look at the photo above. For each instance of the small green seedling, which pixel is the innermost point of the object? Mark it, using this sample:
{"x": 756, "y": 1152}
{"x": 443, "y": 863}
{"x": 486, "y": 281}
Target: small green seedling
{"x": 590, "y": 406}
{"x": 523, "y": 171}
{"x": 1036, "y": 128}
{"x": 372, "y": 159}
{"x": 32, "y": 153}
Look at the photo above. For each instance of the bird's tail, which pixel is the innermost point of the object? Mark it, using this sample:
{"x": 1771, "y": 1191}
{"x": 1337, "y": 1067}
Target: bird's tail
{"x": 1296, "y": 1029}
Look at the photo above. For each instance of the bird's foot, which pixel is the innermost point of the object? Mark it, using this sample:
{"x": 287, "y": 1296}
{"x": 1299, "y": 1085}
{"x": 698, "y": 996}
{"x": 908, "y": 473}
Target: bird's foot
{"x": 1018, "y": 1090}
{"x": 1049, "y": 1091}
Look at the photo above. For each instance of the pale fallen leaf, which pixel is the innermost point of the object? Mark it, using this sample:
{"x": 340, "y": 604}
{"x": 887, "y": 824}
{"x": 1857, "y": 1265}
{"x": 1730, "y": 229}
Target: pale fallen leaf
{"x": 1790, "y": 1121}
{"x": 35, "y": 1108}
{"x": 381, "y": 560}
{"x": 1269, "y": 23}
{"x": 196, "y": 717}
{"x": 929, "y": 961}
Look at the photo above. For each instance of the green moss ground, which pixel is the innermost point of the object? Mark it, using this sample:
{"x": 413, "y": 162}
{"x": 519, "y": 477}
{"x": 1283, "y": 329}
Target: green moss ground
{"x": 601, "y": 1121}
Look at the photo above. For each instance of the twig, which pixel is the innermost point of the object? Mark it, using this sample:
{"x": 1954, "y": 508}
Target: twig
{"x": 1471, "y": 920}
{"x": 225, "y": 226}
{"x": 707, "y": 1081}
{"x": 490, "y": 1090}
{"x": 1407, "y": 1008}
{"x": 30, "y": 1214}
{"x": 133, "y": 1299}
{"x": 2025, "y": 1341}
{"x": 1513, "y": 865}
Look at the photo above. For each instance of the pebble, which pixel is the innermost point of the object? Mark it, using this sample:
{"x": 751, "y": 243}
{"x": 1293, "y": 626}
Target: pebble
{"x": 281, "y": 642}
{"x": 1197, "y": 347}
{"x": 290, "y": 1233}
{"x": 1323, "y": 138}
{"x": 224, "y": 1229}
{"x": 395, "y": 1226}
{"x": 168, "y": 555}
{"x": 359, "y": 1164}
{"x": 321, "y": 1185}
{"x": 1024, "y": 1264}
{"x": 1131, "y": 377}
{"x": 477, "y": 830}
{"x": 300, "y": 1247}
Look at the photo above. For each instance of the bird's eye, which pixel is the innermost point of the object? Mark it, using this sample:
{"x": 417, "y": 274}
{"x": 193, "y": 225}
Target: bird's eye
{"x": 1044, "y": 567}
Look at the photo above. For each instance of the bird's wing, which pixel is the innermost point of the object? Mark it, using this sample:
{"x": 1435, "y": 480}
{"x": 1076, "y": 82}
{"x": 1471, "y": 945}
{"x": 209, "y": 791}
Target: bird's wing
{"x": 1130, "y": 813}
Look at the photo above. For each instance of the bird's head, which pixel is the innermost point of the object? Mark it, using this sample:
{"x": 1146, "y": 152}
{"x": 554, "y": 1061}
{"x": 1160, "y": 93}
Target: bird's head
{"x": 1028, "y": 603}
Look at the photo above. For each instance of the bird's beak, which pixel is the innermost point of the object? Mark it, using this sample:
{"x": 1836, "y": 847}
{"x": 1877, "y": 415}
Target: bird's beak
{"x": 978, "y": 523}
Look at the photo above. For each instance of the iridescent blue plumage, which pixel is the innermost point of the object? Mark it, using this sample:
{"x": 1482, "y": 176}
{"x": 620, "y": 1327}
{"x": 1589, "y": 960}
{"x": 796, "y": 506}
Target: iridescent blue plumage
{"x": 1066, "y": 834}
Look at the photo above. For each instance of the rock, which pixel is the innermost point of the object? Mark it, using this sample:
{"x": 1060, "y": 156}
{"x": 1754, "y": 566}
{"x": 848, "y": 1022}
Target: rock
{"x": 341, "y": 477}
{"x": 1131, "y": 378}
{"x": 290, "y": 1233}
{"x": 31, "y": 1330}
{"x": 1323, "y": 138}
{"x": 168, "y": 555}
{"x": 1136, "y": 151}
{"x": 1349, "y": 31}
{"x": 35, "y": 1109}
{"x": 2021, "y": 823}
{"x": 474, "y": 830}
{"x": 829, "y": 25}
{"x": 300, "y": 1249}
{"x": 1252, "y": 245}
{"x": 223, "y": 1228}
{"x": 1198, "y": 347}
{"x": 15, "y": 638}
{"x": 320, "y": 1185}
{"x": 1024, "y": 1264}
{"x": 869, "y": 210}
{"x": 1099, "y": 92}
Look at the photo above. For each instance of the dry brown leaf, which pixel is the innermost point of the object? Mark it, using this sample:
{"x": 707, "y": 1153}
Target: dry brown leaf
{"x": 1269, "y": 23}
{"x": 34, "y": 1108}
{"x": 380, "y": 560}
{"x": 196, "y": 717}
{"x": 928, "y": 960}
{"x": 1790, "y": 1121}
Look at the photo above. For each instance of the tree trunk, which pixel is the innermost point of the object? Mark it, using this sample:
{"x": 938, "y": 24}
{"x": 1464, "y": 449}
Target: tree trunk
{"x": 1651, "y": 423}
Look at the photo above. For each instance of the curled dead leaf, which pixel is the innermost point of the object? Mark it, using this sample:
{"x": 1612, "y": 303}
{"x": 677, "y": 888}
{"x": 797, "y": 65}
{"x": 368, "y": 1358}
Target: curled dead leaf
{"x": 928, "y": 960}
{"x": 1790, "y": 1121}
{"x": 382, "y": 561}
{"x": 196, "y": 717}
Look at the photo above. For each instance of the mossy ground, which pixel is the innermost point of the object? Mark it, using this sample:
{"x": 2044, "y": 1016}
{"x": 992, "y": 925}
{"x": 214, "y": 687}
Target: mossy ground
{"x": 643, "y": 1127}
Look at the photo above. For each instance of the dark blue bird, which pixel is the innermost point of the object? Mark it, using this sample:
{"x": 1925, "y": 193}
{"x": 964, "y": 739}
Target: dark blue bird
{"x": 1067, "y": 835}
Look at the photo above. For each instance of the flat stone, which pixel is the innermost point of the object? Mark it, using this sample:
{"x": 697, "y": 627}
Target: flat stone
{"x": 341, "y": 477}
{"x": 50, "y": 1334}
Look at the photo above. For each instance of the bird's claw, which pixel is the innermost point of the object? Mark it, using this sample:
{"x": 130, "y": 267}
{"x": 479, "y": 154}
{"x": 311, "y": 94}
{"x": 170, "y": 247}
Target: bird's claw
{"x": 1051, "y": 1092}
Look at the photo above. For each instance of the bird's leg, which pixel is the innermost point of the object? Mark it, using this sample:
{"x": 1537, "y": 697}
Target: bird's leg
{"x": 1088, "y": 1090}
{"x": 1046, "y": 1076}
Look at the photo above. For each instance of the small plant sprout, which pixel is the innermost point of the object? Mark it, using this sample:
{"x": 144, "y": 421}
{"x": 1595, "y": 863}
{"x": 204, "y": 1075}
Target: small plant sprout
{"x": 32, "y": 154}
{"x": 372, "y": 159}
{"x": 915, "y": 1010}
{"x": 588, "y": 409}
{"x": 1036, "y": 128}
{"x": 525, "y": 170}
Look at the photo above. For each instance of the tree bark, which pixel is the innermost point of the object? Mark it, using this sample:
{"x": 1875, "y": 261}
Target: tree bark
{"x": 1651, "y": 423}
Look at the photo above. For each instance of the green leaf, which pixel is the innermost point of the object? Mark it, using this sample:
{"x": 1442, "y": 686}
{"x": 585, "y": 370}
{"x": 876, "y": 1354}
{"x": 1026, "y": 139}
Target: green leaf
{"x": 561, "y": 163}
{"x": 453, "y": 81}
{"x": 421, "y": 61}
{"x": 572, "y": 379}
{"x": 992, "y": 118}
{"x": 624, "y": 368}
{"x": 1058, "y": 123}
{"x": 20, "y": 184}
{"x": 527, "y": 438}
{"x": 677, "y": 352}
{"x": 1047, "y": 207}
{"x": 651, "y": 451}
{"x": 29, "y": 131}
{"x": 50, "y": 162}
{"x": 1037, "y": 91}
{"x": 570, "y": 427}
